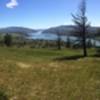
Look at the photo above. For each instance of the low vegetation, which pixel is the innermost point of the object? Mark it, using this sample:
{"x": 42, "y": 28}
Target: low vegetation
{"x": 39, "y": 74}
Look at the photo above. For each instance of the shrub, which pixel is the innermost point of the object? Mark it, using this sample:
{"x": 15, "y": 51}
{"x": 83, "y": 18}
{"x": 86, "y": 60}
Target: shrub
{"x": 8, "y": 40}
{"x": 3, "y": 96}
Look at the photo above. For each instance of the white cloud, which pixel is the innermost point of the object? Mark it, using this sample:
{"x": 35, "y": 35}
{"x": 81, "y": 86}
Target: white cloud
{"x": 12, "y": 4}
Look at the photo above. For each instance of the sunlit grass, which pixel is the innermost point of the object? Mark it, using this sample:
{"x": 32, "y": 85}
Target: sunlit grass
{"x": 33, "y": 74}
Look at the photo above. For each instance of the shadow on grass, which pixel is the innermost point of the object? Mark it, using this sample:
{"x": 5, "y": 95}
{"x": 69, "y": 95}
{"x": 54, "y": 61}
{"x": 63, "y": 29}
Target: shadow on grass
{"x": 95, "y": 55}
{"x": 3, "y": 96}
{"x": 75, "y": 57}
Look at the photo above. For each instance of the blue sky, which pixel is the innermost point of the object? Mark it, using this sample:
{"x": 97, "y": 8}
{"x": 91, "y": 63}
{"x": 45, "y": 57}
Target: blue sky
{"x": 44, "y": 13}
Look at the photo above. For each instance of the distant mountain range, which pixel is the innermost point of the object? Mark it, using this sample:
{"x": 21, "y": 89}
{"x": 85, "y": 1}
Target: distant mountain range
{"x": 61, "y": 29}
{"x": 17, "y": 30}
{"x": 64, "y": 30}
{"x": 68, "y": 30}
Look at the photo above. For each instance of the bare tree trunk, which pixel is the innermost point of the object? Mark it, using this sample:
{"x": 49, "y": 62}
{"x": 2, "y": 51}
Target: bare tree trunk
{"x": 84, "y": 43}
{"x": 59, "y": 42}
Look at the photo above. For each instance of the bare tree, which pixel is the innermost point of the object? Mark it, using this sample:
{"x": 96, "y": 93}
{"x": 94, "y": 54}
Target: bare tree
{"x": 68, "y": 42}
{"x": 58, "y": 33}
{"x": 81, "y": 25}
{"x": 58, "y": 40}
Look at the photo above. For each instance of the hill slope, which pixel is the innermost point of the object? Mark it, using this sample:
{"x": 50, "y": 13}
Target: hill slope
{"x": 68, "y": 30}
{"x": 18, "y": 30}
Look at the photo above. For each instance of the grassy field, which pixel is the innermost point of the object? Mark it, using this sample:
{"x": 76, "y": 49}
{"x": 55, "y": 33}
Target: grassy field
{"x": 36, "y": 74}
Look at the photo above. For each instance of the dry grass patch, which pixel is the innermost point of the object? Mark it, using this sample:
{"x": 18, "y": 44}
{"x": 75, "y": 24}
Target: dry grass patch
{"x": 23, "y": 65}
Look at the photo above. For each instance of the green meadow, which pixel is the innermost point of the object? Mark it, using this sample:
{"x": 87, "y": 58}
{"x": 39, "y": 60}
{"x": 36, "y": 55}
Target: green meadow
{"x": 47, "y": 74}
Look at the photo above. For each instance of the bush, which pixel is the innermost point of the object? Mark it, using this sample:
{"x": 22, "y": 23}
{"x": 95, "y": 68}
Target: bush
{"x": 3, "y": 96}
{"x": 8, "y": 40}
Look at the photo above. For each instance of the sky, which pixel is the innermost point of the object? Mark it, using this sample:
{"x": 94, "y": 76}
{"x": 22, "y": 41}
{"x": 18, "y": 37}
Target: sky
{"x": 39, "y": 14}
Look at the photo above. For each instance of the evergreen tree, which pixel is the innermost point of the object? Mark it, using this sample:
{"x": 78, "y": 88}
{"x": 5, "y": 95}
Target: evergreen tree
{"x": 8, "y": 40}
